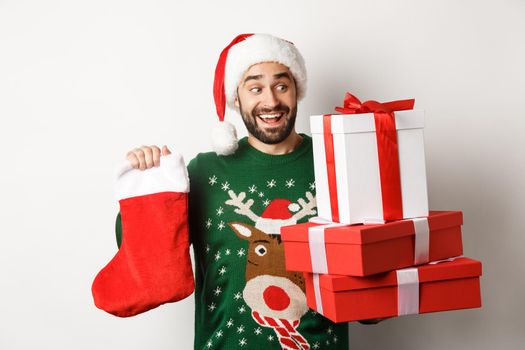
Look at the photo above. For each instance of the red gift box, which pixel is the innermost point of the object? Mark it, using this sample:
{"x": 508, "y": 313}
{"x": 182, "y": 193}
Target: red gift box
{"x": 362, "y": 250}
{"x": 433, "y": 287}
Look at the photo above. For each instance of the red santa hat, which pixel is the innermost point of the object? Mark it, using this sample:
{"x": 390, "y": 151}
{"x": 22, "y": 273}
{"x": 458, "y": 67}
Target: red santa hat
{"x": 277, "y": 214}
{"x": 242, "y": 53}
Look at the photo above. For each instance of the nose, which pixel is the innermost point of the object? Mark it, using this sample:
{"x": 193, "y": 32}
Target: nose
{"x": 276, "y": 298}
{"x": 269, "y": 99}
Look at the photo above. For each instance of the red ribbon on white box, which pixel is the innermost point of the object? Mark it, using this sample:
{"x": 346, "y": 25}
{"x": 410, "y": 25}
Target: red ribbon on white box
{"x": 387, "y": 152}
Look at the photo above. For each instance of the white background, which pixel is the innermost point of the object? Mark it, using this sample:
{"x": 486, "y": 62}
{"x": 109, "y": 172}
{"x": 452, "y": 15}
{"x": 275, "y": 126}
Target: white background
{"x": 82, "y": 82}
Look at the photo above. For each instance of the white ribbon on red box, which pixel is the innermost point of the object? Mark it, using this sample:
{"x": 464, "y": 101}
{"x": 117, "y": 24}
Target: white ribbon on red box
{"x": 407, "y": 289}
{"x": 408, "y": 281}
{"x": 317, "y": 293}
{"x": 316, "y": 241}
{"x": 422, "y": 240}
{"x": 407, "y": 292}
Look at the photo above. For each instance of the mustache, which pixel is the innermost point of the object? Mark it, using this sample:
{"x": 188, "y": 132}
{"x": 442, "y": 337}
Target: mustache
{"x": 280, "y": 108}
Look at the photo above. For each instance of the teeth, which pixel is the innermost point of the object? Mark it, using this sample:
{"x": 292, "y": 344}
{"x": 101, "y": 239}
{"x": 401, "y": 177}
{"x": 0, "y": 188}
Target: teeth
{"x": 270, "y": 116}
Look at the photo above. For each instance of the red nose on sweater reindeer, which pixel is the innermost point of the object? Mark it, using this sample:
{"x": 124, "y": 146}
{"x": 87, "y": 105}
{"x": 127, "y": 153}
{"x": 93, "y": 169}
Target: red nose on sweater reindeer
{"x": 276, "y": 296}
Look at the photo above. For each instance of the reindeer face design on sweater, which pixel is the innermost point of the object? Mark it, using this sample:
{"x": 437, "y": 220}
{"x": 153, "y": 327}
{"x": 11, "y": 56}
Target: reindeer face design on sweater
{"x": 270, "y": 289}
{"x": 274, "y": 294}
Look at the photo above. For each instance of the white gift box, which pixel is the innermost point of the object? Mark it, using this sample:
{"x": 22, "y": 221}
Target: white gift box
{"x": 359, "y": 197}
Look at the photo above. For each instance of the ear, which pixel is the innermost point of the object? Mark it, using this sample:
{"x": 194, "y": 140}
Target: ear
{"x": 236, "y": 99}
{"x": 244, "y": 231}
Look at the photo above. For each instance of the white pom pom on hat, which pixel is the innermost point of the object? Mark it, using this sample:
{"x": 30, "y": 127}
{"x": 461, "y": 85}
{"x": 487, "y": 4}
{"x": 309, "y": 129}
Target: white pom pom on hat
{"x": 224, "y": 138}
{"x": 242, "y": 53}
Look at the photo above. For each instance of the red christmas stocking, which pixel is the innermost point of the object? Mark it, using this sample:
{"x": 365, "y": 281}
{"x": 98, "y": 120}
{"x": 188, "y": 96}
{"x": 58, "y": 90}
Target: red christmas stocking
{"x": 153, "y": 264}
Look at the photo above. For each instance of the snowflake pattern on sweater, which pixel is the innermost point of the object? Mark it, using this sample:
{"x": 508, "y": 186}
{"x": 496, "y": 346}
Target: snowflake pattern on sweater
{"x": 245, "y": 298}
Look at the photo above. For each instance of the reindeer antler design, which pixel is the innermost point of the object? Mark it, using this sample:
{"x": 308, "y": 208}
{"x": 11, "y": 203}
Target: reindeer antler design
{"x": 307, "y": 208}
{"x": 242, "y": 208}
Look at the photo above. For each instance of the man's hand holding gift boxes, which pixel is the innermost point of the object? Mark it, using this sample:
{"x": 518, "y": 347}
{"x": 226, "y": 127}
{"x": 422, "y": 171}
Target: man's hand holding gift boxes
{"x": 376, "y": 251}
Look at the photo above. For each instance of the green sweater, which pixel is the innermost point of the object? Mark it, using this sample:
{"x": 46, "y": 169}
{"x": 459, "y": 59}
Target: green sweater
{"x": 243, "y": 292}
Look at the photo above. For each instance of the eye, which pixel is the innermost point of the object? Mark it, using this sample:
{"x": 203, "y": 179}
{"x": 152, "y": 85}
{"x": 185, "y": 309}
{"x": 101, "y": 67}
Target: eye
{"x": 255, "y": 90}
{"x": 260, "y": 250}
{"x": 282, "y": 87}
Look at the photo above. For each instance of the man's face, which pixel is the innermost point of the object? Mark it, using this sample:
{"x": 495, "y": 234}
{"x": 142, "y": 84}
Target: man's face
{"x": 266, "y": 98}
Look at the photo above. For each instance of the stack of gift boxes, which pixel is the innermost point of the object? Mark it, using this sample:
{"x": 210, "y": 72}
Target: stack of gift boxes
{"x": 375, "y": 250}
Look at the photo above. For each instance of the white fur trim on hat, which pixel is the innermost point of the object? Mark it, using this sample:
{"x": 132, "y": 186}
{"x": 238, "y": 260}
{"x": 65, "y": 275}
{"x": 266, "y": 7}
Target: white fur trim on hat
{"x": 273, "y": 226}
{"x": 260, "y": 48}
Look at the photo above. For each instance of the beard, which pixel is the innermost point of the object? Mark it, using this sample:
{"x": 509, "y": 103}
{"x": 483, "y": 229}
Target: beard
{"x": 270, "y": 135}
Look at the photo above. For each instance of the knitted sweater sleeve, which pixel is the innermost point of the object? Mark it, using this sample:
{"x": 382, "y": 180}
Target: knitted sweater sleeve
{"x": 118, "y": 230}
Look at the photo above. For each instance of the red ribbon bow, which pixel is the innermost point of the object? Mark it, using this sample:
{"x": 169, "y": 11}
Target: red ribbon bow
{"x": 352, "y": 105}
{"x": 386, "y": 135}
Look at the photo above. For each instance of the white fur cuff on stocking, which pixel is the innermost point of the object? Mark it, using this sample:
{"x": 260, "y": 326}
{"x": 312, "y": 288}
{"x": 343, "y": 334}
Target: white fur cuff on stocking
{"x": 170, "y": 176}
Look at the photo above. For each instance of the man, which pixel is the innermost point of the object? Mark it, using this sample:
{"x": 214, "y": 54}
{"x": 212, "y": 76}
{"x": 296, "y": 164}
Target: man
{"x": 244, "y": 297}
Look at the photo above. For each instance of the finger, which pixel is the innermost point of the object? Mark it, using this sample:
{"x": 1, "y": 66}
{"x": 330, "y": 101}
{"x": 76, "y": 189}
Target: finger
{"x": 156, "y": 155}
{"x": 141, "y": 157}
{"x": 148, "y": 155}
{"x": 165, "y": 150}
{"x": 132, "y": 158}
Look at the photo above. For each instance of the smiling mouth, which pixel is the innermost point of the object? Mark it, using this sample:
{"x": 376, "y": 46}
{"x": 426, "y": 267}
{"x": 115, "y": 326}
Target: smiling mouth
{"x": 271, "y": 119}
